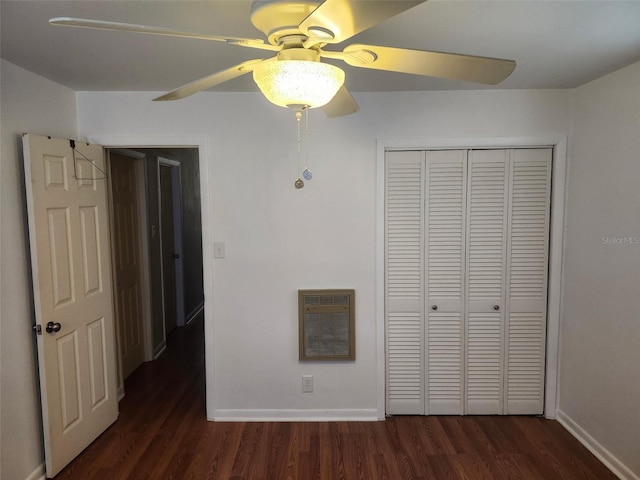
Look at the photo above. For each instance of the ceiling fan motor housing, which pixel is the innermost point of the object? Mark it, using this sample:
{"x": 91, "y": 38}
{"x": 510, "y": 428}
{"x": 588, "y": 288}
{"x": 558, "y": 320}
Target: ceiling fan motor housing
{"x": 299, "y": 53}
{"x": 278, "y": 19}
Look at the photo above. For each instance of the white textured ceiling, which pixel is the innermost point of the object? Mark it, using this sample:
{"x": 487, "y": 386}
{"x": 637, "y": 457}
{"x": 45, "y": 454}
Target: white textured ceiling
{"x": 556, "y": 44}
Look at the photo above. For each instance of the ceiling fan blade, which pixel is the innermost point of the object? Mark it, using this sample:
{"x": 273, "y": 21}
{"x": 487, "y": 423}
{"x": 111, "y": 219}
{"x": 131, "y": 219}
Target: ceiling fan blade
{"x": 453, "y": 66}
{"x": 336, "y": 20}
{"x": 130, "y": 27}
{"x": 211, "y": 80}
{"x": 340, "y": 105}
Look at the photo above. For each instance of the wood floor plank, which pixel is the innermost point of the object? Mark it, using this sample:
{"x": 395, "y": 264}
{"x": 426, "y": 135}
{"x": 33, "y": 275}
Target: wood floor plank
{"x": 515, "y": 465}
{"x": 452, "y": 428}
{"x": 470, "y": 467}
{"x": 162, "y": 434}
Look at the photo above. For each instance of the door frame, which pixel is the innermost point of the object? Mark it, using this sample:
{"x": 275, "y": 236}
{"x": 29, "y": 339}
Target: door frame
{"x": 204, "y": 160}
{"x": 143, "y": 249}
{"x": 556, "y": 244}
{"x": 176, "y": 191}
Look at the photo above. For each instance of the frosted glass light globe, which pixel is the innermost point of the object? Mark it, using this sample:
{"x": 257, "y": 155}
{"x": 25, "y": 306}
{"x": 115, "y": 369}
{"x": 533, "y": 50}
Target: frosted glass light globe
{"x": 298, "y": 83}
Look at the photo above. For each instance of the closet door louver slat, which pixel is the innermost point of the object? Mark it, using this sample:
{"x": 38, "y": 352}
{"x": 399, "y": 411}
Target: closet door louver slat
{"x": 404, "y": 214}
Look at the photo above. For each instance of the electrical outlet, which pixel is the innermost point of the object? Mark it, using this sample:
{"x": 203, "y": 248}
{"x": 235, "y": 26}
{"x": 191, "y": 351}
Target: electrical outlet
{"x": 307, "y": 383}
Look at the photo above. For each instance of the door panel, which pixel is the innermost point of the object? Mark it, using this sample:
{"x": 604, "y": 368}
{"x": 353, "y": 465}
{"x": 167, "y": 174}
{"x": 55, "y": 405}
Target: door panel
{"x": 486, "y": 251}
{"x": 68, "y": 235}
{"x": 69, "y": 369}
{"x": 60, "y": 246}
{"x": 97, "y": 354}
{"x": 445, "y": 246}
{"x": 528, "y": 257}
{"x": 128, "y": 270}
{"x": 90, "y": 231}
{"x": 404, "y": 309}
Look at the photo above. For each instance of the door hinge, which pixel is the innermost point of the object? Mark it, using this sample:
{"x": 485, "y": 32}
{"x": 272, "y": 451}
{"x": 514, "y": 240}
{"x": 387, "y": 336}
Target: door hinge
{"x": 37, "y": 329}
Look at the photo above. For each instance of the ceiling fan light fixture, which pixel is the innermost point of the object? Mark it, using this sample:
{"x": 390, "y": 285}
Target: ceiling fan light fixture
{"x": 298, "y": 83}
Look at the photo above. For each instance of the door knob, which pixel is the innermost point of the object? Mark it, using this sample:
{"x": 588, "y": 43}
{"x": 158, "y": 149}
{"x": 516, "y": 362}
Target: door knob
{"x": 496, "y": 307}
{"x": 434, "y": 307}
{"x": 53, "y": 327}
{"x": 176, "y": 256}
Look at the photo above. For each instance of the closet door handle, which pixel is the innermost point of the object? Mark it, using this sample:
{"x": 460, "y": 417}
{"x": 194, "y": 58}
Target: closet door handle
{"x": 434, "y": 307}
{"x": 496, "y": 307}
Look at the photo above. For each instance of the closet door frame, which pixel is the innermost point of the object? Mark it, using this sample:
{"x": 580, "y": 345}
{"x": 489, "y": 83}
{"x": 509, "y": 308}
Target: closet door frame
{"x": 556, "y": 243}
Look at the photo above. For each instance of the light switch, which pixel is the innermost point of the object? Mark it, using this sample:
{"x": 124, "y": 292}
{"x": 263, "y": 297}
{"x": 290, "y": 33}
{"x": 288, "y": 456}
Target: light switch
{"x": 218, "y": 249}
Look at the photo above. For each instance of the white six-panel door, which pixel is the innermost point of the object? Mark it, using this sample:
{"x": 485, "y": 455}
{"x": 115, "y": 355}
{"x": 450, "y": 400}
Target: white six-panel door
{"x": 466, "y": 280}
{"x": 70, "y": 262}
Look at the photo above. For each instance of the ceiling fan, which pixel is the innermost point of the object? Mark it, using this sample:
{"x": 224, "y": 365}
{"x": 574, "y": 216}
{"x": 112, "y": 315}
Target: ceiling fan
{"x": 299, "y": 31}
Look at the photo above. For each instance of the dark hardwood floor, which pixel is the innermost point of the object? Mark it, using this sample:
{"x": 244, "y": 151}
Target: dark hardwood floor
{"x": 162, "y": 433}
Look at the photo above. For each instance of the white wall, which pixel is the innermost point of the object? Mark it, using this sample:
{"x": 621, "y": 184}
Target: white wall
{"x": 35, "y": 105}
{"x": 600, "y": 337}
{"x": 279, "y": 239}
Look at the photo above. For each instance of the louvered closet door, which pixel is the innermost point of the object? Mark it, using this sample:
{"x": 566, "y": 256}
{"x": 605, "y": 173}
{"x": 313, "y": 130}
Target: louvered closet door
{"x": 444, "y": 246}
{"x": 404, "y": 306}
{"x": 466, "y": 252}
{"x": 528, "y": 252}
{"x": 486, "y": 271}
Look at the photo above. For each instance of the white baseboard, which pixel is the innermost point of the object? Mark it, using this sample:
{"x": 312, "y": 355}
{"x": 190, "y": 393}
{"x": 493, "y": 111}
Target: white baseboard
{"x": 302, "y": 415}
{"x": 159, "y": 349}
{"x": 604, "y": 455}
{"x": 194, "y": 313}
{"x": 37, "y": 474}
{"x": 120, "y": 393}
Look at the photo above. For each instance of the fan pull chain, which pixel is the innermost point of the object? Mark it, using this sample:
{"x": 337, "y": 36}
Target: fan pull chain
{"x": 307, "y": 168}
{"x": 299, "y": 183}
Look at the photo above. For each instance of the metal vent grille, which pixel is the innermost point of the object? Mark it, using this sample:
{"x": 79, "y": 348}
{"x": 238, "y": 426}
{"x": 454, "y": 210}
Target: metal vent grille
{"x": 326, "y": 325}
